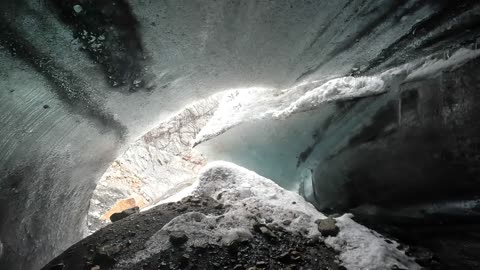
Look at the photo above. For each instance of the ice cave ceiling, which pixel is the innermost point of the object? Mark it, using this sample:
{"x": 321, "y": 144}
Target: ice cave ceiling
{"x": 82, "y": 79}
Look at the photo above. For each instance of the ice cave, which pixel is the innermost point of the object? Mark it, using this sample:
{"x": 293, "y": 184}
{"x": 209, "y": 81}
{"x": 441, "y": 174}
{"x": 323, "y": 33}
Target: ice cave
{"x": 239, "y": 134}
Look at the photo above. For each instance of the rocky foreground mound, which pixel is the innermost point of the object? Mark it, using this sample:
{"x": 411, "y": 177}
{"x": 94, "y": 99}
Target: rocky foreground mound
{"x": 235, "y": 219}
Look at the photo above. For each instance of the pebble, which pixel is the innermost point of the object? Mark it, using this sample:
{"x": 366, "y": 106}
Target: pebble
{"x": 77, "y": 9}
{"x": 261, "y": 264}
{"x": 287, "y": 222}
{"x": 178, "y": 238}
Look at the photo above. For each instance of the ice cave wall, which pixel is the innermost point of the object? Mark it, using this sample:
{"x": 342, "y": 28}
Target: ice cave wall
{"x": 416, "y": 144}
{"x": 82, "y": 79}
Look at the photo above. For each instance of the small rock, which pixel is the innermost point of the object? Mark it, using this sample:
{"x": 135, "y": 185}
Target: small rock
{"x": 125, "y": 213}
{"x": 184, "y": 260}
{"x": 178, "y": 238}
{"x": 108, "y": 250}
{"x": 105, "y": 255}
{"x": 195, "y": 200}
{"x": 46, "y": 106}
{"x": 311, "y": 241}
{"x": 286, "y": 222}
{"x": 96, "y": 267}
{"x": 295, "y": 256}
{"x": 182, "y": 209}
{"x": 261, "y": 264}
{"x": 289, "y": 257}
{"x": 137, "y": 83}
{"x": 284, "y": 257}
{"x": 77, "y": 9}
{"x": 266, "y": 231}
{"x": 292, "y": 267}
{"x": 327, "y": 227}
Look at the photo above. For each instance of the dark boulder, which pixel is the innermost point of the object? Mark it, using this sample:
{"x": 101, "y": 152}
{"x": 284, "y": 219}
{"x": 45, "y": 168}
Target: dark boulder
{"x": 327, "y": 227}
{"x": 125, "y": 213}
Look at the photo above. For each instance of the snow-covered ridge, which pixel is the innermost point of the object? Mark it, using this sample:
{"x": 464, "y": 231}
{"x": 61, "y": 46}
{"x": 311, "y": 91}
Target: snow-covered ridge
{"x": 251, "y": 198}
{"x": 334, "y": 90}
{"x": 253, "y": 104}
{"x": 243, "y": 105}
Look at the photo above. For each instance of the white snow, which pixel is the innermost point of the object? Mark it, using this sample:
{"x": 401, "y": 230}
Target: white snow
{"x": 238, "y": 106}
{"x": 362, "y": 248}
{"x": 337, "y": 89}
{"x": 250, "y": 198}
{"x": 252, "y": 104}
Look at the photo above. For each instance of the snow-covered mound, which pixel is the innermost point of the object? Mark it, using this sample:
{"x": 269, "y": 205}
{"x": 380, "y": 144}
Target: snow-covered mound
{"x": 250, "y": 199}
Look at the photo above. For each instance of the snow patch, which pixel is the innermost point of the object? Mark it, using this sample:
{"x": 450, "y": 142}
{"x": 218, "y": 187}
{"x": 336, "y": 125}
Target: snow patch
{"x": 362, "y": 248}
{"x": 337, "y": 89}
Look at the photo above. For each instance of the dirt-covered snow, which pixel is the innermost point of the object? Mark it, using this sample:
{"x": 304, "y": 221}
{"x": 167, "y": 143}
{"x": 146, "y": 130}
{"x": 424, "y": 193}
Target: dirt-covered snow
{"x": 250, "y": 199}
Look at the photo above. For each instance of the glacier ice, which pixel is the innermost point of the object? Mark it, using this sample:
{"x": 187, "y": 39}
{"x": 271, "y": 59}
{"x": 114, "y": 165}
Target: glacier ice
{"x": 255, "y": 127}
{"x": 52, "y": 158}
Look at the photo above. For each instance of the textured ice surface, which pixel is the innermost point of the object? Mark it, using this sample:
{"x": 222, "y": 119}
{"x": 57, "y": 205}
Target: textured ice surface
{"x": 264, "y": 129}
{"x": 433, "y": 66}
{"x": 250, "y": 198}
{"x": 279, "y": 128}
{"x": 54, "y": 157}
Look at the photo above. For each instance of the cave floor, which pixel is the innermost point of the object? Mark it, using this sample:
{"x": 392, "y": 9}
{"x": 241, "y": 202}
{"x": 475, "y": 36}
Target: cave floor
{"x": 121, "y": 240}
